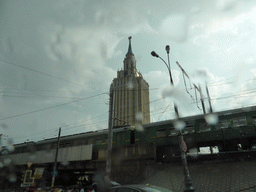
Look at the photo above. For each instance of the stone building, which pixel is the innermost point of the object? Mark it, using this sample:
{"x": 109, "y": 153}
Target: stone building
{"x": 131, "y": 94}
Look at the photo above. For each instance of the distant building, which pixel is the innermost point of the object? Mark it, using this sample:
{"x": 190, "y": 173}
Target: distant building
{"x": 131, "y": 98}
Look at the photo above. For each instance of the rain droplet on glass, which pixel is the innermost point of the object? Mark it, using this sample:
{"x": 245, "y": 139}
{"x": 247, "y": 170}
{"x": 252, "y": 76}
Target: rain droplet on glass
{"x": 65, "y": 163}
{"x": 211, "y": 118}
{"x": 12, "y": 177}
{"x": 175, "y": 27}
{"x": 7, "y": 161}
{"x": 201, "y": 76}
{"x": 179, "y": 125}
{"x": 168, "y": 92}
{"x": 4, "y": 126}
{"x": 130, "y": 85}
{"x": 139, "y": 117}
{"x": 193, "y": 153}
{"x": 225, "y": 5}
{"x": 9, "y": 145}
{"x": 139, "y": 127}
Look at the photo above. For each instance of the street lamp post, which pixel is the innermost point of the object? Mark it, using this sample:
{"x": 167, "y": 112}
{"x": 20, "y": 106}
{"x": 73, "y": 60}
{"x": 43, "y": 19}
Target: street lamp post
{"x": 182, "y": 144}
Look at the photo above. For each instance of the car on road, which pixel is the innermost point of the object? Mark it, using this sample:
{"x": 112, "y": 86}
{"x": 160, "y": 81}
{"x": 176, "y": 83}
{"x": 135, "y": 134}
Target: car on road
{"x": 137, "y": 188}
{"x": 93, "y": 187}
{"x": 31, "y": 188}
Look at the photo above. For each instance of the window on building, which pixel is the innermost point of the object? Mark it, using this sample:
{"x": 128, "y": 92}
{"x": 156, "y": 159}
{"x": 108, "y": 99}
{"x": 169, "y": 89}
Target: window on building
{"x": 204, "y": 126}
{"x": 147, "y": 133}
{"x": 222, "y": 124}
{"x": 54, "y": 146}
{"x": 160, "y": 132}
{"x": 189, "y": 129}
{"x": 90, "y": 141}
{"x": 239, "y": 121}
{"x": 47, "y": 147}
{"x": 254, "y": 119}
{"x": 17, "y": 150}
{"x": 76, "y": 142}
{"x": 106, "y": 139}
{"x": 83, "y": 142}
{"x": 99, "y": 140}
{"x": 173, "y": 131}
{"x": 120, "y": 137}
{"x": 68, "y": 144}
{"x": 38, "y": 147}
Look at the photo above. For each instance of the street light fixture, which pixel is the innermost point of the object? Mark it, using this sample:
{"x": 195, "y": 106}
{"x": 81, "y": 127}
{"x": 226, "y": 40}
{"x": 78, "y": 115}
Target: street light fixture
{"x": 182, "y": 144}
{"x": 154, "y": 54}
{"x": 167, "y": 48}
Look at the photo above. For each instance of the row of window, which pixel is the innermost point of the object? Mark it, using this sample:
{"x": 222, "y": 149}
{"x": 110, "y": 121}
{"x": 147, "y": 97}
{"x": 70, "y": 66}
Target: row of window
{"x": 99, "y": 140}
{"x": 122, "y": 82}
{"x": 223, "y": 123}
{"x": 203, "y": 126}
{"x": 120, "y": 137}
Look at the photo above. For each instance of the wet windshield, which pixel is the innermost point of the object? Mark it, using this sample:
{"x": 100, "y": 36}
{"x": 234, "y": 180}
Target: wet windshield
{"x": 95, "y": 94}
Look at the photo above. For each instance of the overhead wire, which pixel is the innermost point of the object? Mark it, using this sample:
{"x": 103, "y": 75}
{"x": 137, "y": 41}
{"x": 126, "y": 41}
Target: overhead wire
{"x": 164, "y": 111}
{"x": 65, "y": 128}
{"x": 36, "y": 96}
{"x": 40, "y": 72}
{"x": 70, "y": 127}
{"x": 37, "y": 133}
{"x": 64, "y": 97}
{"x": 99, "y": 118}
{"x": 50, "y": 107}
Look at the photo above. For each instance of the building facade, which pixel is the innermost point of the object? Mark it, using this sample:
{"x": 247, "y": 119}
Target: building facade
{"x": 131, "y": 94}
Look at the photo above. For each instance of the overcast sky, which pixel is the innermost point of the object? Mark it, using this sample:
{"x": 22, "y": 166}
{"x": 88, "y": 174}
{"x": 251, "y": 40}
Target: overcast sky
{"x": 59, "y": 57}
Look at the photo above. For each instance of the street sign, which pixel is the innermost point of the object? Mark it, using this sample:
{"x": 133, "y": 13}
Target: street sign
{"x": 183, "y": 146}
{"x": 29, "y": 163}
{"x": 28, "y": 179}
{"x": 38, "y": 173}
{"x": 54, "y": 173}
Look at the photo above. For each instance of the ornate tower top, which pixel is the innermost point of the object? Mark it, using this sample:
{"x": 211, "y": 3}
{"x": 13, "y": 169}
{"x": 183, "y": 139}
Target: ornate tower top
{"x": 130, "y": 47}
{"x": 129, "y": 61}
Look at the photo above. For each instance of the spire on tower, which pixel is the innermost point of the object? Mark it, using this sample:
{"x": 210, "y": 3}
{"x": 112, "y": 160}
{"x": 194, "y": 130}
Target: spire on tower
{"x": 130, "y": 46}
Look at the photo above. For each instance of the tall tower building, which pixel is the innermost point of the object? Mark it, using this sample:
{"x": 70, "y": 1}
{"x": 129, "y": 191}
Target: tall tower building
{"x": 131, "y": 94}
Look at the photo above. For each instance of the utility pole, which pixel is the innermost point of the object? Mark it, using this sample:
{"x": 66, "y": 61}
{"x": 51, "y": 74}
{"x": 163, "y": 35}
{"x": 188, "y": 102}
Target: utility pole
{"x": 110, "y": 131}
{"x": 182, "y": 144}
{"x": 202, "y": 100}
{"x": 197, "y": 88}
{"x": 55, "y": 172}
{"x": 209, "y": 98}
